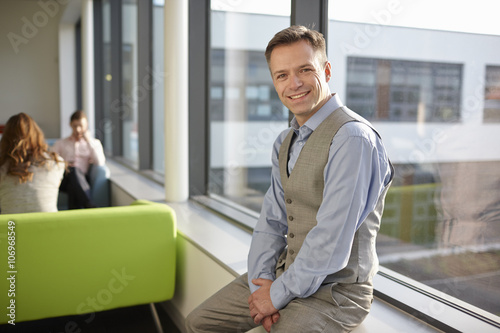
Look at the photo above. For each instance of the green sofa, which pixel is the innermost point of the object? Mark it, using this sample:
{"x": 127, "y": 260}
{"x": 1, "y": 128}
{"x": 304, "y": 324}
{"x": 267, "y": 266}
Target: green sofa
{"x": 84, "y": 261}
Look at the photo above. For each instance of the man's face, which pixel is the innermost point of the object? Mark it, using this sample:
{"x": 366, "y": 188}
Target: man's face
{"x": 301, "y": 81}
{"x": 79, "y": 128}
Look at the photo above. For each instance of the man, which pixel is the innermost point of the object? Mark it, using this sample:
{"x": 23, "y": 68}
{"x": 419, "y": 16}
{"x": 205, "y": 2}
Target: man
{"x": 312, "y": 257}
{"x": 79, "y": 150}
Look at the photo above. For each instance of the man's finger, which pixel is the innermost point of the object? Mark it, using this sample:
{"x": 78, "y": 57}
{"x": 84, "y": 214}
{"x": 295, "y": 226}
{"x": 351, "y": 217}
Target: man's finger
{"x": 257, "y": 282}
{"x": 267, "y": 323}
{"x": 258, "y": 318}
{"x": 275, "y": 317}
{"x": 253, "y": 313}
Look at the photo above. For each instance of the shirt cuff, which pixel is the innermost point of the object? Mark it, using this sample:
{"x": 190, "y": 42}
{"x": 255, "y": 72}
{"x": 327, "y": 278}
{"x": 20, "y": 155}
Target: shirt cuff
{"x": 280, "y": 296}
{"x": 253, "y": 287}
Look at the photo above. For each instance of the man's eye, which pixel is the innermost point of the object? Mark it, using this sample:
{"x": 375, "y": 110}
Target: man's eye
{"x": 281, "y": 76}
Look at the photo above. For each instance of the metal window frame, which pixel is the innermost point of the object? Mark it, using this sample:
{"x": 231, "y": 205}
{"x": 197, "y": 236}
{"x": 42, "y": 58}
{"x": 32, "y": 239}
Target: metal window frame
{"x": 145, "y": 104}
{"x": 199, "y": 66}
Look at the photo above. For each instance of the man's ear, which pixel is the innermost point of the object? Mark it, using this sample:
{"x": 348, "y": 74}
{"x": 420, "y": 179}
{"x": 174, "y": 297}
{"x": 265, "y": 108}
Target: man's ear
{"x": 328, "y": 71}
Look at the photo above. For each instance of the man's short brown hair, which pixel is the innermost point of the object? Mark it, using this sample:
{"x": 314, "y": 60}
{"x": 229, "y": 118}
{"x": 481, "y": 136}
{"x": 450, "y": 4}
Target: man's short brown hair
{"x": 295, "y": 34}
{"x": 77, "y": 115}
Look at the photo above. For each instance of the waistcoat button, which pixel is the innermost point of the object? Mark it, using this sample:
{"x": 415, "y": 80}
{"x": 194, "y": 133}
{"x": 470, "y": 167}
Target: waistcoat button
{"x": 292, "y": 251}
{"x": 292, "y": 235}
{"x": 290, "y": 218}
{"x": 289, "y": 201}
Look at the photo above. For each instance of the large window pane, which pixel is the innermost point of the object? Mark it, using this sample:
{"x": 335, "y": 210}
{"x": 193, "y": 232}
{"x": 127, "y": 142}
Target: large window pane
{"x": 130, "y": 90}
{"x": 430, "y": 86}
{"x": 246, "y": 114}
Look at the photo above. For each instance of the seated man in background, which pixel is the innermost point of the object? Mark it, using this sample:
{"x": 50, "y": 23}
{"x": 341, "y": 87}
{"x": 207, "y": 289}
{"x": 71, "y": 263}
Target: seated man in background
{"x": 30, "y": 175}
{"x": 79, "y": 150}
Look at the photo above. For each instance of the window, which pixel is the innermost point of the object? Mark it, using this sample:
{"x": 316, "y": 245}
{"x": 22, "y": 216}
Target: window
{"x": 430, "y": 94}
{"x": 424, "y": 91}
{"x": 492, "y": 94}
{"x": 399, "y": 90}
{"x": 245, "y": 113}
{"x": 127, "y": 79}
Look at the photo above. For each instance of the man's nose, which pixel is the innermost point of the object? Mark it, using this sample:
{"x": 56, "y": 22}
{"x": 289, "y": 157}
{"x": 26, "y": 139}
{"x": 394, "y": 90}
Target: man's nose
{"x": 296, "y": 82}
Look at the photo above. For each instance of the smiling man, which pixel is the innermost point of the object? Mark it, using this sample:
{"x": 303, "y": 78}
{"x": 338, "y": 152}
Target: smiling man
{"x": 312, "y": 257}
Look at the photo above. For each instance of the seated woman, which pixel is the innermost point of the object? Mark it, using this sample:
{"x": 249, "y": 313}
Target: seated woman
{"x": 79, "y": 150}
{"x": 30, "y": 175}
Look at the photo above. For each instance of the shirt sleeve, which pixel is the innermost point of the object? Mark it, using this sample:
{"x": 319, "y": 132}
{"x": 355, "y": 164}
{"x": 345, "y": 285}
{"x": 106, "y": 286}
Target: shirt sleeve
{"x": 96, "y": 152}
{"x": 64, "y": 149}
{"x": 268, "y": 240}
{"x": 355, "y": 175}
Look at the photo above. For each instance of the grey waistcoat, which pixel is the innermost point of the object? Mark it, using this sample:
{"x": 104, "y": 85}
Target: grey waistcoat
{"x": 303, "y": 192}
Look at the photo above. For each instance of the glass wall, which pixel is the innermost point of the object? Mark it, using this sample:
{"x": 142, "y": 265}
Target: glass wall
{"x": 245, "y": 112}
{"x": 434, "y": 99}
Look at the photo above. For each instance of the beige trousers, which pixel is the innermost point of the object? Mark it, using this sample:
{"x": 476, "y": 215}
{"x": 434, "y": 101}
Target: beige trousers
{"x": 333, "y": 308}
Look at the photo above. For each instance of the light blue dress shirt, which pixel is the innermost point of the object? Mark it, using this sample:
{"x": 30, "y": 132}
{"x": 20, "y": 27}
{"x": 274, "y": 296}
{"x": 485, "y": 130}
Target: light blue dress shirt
{"x": 357, "y": 155}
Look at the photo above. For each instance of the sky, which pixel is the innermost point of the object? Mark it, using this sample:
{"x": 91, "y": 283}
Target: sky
{"x": 477, "y": 16}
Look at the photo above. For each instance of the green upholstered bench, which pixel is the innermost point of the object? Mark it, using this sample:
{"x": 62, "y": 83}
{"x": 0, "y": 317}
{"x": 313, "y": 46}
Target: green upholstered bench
{"x": 84, "y": 261}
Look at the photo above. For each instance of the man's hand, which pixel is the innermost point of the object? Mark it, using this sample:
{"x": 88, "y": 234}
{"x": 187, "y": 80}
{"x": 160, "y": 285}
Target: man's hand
{"x": 87, "y": 136}
{"x": 261, "y": 306}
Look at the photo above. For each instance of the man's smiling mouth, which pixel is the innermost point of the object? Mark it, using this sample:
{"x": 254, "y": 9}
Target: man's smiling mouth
{"x": 298, "y": 96}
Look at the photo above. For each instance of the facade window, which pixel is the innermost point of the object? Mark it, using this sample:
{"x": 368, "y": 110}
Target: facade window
{"x": 399, "y": 90}
{"x": 423, "y": 91}
{"x": 492, "y": 95}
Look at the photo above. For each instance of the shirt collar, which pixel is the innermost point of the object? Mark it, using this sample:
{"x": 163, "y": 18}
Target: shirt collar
{"x": 333, "y": 104}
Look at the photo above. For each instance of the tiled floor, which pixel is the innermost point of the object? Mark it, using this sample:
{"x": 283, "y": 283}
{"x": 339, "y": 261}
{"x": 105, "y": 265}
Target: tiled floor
{"x": 136, "y": 319}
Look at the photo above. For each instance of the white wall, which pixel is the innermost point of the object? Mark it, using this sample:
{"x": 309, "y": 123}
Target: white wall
{"x": 29, "y": 62}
